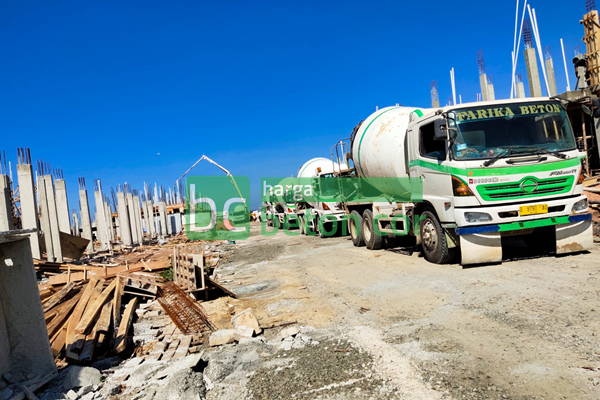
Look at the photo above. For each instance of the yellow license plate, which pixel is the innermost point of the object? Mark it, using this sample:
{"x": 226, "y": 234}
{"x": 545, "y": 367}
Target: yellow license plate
{"x": 536, "y": 209}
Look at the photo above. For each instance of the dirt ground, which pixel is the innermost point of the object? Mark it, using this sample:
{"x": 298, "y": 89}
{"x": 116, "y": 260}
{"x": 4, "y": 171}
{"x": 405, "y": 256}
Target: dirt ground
{"x": 523, "y": 329}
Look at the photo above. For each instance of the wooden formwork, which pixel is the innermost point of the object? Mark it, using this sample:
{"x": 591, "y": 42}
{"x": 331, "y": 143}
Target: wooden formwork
{"x": 188, "y": 267}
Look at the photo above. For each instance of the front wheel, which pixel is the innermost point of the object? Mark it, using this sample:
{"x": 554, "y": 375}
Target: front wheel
{"x": 433, "y": 239}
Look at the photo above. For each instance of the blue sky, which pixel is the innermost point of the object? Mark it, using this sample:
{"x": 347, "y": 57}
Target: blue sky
{"x": 99, "y": 89}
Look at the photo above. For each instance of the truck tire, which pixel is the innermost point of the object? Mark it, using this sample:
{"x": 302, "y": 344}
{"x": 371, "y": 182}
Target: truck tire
{"x": 356, "y": 234}
{"x": 433, "y": 239}
{"x": 325, "y": 232}
{"x": 373, "y": 241}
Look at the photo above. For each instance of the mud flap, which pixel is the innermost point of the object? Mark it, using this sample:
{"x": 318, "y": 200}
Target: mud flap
{"x": 573, "y": 237}
{"x": 480, "y": 248}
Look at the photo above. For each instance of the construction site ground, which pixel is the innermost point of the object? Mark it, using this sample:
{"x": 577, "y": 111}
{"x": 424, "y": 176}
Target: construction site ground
{"x": 385, "y": 324}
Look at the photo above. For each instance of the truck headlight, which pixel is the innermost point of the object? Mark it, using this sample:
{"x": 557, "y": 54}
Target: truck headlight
{"x": 477, "y": 217}
{"x": 581, "y": 205}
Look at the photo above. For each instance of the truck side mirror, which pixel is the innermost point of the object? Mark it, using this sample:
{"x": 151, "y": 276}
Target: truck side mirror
{"x": 440, "y": 130}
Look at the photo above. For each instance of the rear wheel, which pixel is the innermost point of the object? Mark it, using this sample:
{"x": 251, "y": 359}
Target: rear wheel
{"x": 372, "y": 240}
{"x": 433, "y": 239}
{"x": 354, "y": 228}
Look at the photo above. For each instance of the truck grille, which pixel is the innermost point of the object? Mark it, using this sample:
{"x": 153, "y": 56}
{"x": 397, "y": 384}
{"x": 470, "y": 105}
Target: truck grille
{"x": 513, "y": 190}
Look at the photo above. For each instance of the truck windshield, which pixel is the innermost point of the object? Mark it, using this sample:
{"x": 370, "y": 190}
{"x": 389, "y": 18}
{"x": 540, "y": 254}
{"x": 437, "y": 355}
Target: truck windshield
{"x": 487, "y": 131}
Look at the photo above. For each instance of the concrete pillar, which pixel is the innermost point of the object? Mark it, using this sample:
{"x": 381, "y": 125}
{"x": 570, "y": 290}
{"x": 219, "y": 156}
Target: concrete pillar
{"x": 138, "y": 218}
{"x": 6, "y": 223}
{"x": 45, "y": 219}
{"x": 150, "y": 207}
{"x": 551, "y": 77}
{"x": 149, "y": 218}
{"x": 131, "y": 211}
{"x": 24, "y": 346}
{"x": 123, "y": 219}
{"x": 101, "y": 223}
{"x": 484, "y": 86}
{"x": 86, "y": 220}
{"x": 170, "y": 224}
{"x": 29, "y": 209}
{"x": 533, "y": 76}
{"x": 162, "y": 208}
{"x": 109, "y": 222}
{"x": 75, "y": 225}
{"x": 53, "y": 216}
{"x": 490, "y": 92}
{"x": 520, "y": 90}
{"x": 62, "y": 206}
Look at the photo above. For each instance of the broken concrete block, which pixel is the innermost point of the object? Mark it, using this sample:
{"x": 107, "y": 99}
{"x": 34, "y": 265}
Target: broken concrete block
{"x": 289, "y": 331}
{"x": 85, "y": 390}
{"x": 220, "y": 337}
{"x": 71, "y": 394}
{"x": 243, "y": 332}
{"x": 247, "y": 318}
{"x": 82, "y": 376}
{"x": 140, "y": 313}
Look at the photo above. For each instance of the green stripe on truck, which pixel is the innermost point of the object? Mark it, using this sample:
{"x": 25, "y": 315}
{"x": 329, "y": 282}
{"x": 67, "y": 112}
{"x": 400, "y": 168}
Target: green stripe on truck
{"x": 512, "y": 170}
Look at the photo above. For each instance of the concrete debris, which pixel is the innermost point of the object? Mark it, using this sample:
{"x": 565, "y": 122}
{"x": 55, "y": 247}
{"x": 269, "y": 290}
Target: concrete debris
{"x": 289, "y": 331}
{"x": 72, "y": 395}
{"x": 247, "y": 318}
{"x": 81, "y": 377}
{"x": 221, "y": 337}
{"x": 242, "y": 331}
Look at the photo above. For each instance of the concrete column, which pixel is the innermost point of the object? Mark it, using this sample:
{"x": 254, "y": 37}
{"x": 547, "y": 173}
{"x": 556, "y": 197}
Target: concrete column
{"x": 520, "y": 90}
{"x": 533, "y": 76}
{"x": 123, "y": 219}
{"x": 162, "y": 208}
{"x": 138, "y": 218}
{"x": 484, "y": 86}
{"x": 101, "y": 222}
{"x": 551, "y": 77}
{"x": 86, "y": 221}
{"x": 109, "y": 222}
{"x": 6, "y": 223}
{"x": 147, "y": 218}
{"x": 53, "y": 216}
{"x": 170, "y": 224}
{"x": 490, "y": 92}
{"x": 75, "y": 225}
{"x": 131, "y": 211}
{"x": 62, "y": 206}
{"x": 45, "y": 219}
{"x": 29, "y": 210}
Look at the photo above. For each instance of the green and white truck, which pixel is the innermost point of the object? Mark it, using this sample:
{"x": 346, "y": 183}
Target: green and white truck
{"x": 488, "y": 170}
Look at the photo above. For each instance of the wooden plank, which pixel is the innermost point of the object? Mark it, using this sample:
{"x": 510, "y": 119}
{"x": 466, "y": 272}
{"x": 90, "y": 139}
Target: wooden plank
{"x": 91, "y": 313}
{"x": 61, "y": 317}
{"x": 96, "y": 273}
{"x": 58, "y": 297}
{"x": 183, "y": 347}
{"x": 49, "y": 315}
{"x": 58, "y": 341}
{"x": 79, "y": 338}
{"x": 117, "y": 303}
{"x": 121, "y": 340}
{"x": 72, "y": 337}
{"x": 103, "y": 324}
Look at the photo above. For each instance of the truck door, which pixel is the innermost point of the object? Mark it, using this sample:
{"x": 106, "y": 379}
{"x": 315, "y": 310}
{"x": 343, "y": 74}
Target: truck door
{"x": 429, "y": 161}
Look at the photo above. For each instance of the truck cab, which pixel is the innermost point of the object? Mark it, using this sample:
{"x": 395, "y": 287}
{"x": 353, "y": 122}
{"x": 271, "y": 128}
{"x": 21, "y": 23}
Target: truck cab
{"x": 493, "y": 169}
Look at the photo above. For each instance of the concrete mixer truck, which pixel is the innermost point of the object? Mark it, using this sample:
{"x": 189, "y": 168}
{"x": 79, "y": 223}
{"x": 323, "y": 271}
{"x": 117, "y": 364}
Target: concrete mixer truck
{"x": 325, "y": 209}
{"x": 484, "y": 170}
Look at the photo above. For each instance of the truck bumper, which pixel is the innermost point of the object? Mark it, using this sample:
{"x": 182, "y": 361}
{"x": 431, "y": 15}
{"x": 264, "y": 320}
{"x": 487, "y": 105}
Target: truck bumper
{"x": 482, "y": 244}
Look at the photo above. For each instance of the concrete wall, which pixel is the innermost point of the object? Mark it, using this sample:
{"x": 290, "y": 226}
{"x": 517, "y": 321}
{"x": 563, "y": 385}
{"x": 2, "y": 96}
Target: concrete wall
{"x": 24, "y": 345}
